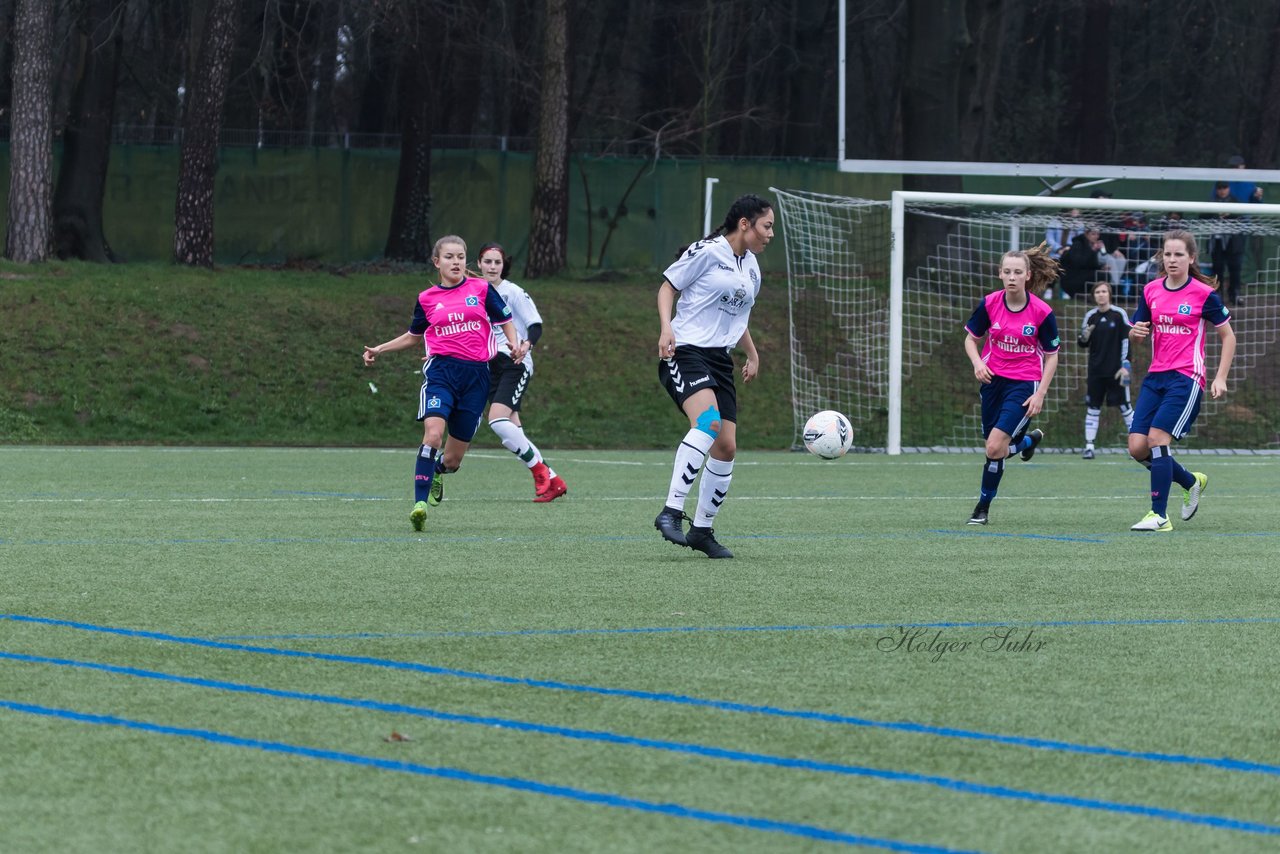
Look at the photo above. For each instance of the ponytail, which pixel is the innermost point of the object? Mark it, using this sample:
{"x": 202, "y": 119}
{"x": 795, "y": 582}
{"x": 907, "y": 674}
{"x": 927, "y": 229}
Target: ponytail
{"x": 751, "y": 207}
{"x": 1042, "y": 268}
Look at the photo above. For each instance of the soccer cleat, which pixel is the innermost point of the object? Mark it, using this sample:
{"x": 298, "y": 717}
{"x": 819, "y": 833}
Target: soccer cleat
{"x": 437, "y": 489}
{"x": 670, "y": 523}
{"x": 1191, "y": 497}
{"x": 555, "y": 488}
{"x": 1088, "y": 454}
{"x": 979, "y": 515}
{"x": 1035, "y": 436}
{"x": 418, "y": 517}
{"x": 703, "y": 540}
{"x": 1153, "y": 521}
{"x": 541, "y": 478}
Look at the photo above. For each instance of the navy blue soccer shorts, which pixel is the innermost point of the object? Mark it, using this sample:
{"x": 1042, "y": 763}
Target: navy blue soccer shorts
{"x": 1002, "y": 407}
{"x": 457, "y": 391}
{"x": 1168, "y": 401}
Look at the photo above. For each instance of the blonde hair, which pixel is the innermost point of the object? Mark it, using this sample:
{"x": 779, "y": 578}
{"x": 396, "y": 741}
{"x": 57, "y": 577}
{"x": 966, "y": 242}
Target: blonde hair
{"x": 448, "y": 238}
{"x": 1042, "y": 268}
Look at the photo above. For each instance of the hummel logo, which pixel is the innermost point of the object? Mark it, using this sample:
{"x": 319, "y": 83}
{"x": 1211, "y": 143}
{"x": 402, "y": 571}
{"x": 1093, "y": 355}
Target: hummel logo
{"x": 676, "y": 379}
{"x": 717, "y": 497}
{"x": 691, "y": 476}
{"x": 699, "y": 381}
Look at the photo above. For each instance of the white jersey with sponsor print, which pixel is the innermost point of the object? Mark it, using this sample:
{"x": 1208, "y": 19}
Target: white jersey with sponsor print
{"x": 717, "y": 289}
{"x": 523, "y": 314}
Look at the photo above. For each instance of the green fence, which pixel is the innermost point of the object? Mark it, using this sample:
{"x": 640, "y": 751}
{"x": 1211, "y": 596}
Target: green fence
{"x": 334, "y": 205}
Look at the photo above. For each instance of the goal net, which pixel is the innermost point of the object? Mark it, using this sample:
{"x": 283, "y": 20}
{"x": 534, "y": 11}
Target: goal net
{"x": 880, "y": 292}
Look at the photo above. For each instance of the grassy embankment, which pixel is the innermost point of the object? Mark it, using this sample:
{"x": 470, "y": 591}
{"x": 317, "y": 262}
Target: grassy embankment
{"x": 157, "y": 354}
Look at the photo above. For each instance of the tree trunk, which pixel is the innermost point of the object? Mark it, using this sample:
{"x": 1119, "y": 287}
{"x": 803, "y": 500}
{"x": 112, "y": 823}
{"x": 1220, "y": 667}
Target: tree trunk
{"x": 1263, "y": 155}
{"x": 409, "y": 236}
{"x": 6, "y": 42}
{"x": 320, "y": 110}
{"x": 1085, "y": 136}
{"x": 31, "y": 137}
{"x": 549, "y": 238}
{"x": 86, "y": 146}
{"x": 193, "y": 214}
{"x": 937, "y": 40}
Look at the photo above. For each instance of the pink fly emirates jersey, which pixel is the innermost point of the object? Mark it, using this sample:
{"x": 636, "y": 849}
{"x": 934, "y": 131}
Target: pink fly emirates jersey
{"x": 1178, "y": 324}
{"x": 457, "y": 321}
{"x": 1016, "y": 340}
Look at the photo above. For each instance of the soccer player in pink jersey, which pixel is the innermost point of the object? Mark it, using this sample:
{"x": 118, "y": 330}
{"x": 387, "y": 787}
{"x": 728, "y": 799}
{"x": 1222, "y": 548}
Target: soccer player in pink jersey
{"x": 1016, "y": 363}
{"x": 455, "y": 320}
{"x": 1173, "y": 311}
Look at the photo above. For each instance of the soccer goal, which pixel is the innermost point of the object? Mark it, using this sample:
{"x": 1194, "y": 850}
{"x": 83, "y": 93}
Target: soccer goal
{"x": 880, "y": 292}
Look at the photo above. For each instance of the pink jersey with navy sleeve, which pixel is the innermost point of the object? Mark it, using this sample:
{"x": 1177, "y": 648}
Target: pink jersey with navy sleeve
{"x": 1016, "y": 340}
{"x": 457, "y": 321}
{"x": 1178, "y": 324}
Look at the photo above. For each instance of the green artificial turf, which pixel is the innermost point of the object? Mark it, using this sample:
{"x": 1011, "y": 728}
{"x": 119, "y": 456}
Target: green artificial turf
{"x": 567, "y": 681}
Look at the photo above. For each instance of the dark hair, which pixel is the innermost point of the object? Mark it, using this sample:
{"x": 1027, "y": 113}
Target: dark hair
{"x": 750, "y": 206}
{"x": 506, "y": 259}
{"x": 1222, "y": 185}
{"x": 1042, "y": 268}
{"x": 1189, "y": 240}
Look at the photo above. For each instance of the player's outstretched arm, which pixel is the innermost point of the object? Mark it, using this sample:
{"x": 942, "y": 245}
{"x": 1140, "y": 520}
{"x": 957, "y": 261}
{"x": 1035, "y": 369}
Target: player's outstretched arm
{"x": 400, "y": 342}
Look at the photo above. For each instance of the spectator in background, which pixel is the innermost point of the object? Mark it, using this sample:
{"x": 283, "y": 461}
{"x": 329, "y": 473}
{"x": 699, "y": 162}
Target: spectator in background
{"x": 1061, "y": 231}
{"x": 1114, "y": 261}
{"x": 1081, "y": 261}
{"x": 1058, "y": 235}
{"x": 1244, "y": 191}
{"x": 1227, "y": 247}
{"x": 1136, "y": 243}
{"x": 1247, "y": 192}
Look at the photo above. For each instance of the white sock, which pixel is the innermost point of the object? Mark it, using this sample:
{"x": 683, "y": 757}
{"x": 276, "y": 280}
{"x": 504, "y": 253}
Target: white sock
{"x": 712, "y": 490}
{"x": 515, "y": 441}
{"x": 1091, "y": 419}
{"x": 689, "y": 458}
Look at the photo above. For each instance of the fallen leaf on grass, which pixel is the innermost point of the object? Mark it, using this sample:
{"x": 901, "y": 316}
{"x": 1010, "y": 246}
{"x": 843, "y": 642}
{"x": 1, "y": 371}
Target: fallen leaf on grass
{"x": 397, "y": 736}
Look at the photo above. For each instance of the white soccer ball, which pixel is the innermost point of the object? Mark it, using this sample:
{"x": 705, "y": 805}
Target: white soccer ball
{"x": 828, "y": 434}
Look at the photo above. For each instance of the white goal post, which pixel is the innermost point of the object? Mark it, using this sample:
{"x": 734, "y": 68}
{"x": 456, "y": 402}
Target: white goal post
{"x": 915, "y": 267}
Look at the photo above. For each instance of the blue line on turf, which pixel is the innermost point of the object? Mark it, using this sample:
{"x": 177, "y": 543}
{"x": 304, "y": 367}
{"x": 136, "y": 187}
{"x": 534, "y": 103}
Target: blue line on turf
{"x": 1058, "y": 538}
{"x": 946, "y": 783}
{"x": 351, "y": 495}
{"x": 1225, "y": 763}
{"x": 517, "y": 783}
{"x": 645, "y": 630}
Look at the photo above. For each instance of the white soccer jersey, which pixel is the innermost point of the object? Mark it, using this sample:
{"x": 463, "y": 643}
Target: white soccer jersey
{"x": 717, "y": 289}
{"x": 523, "y": 314}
